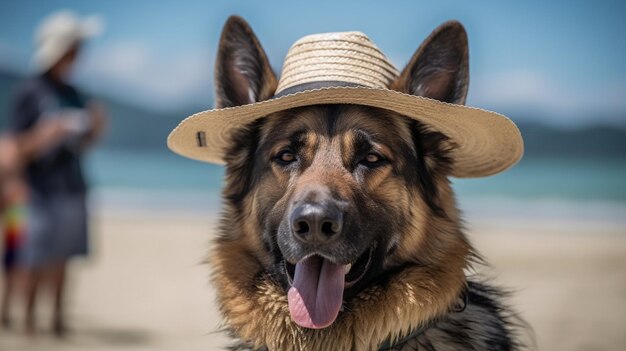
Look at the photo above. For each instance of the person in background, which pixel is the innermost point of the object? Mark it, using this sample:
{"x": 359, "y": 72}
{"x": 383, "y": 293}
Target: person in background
{"x": 57, "y": 212}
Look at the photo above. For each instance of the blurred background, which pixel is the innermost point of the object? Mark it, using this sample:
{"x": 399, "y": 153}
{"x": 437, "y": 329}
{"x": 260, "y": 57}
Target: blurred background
{"x": 553, "y": 227}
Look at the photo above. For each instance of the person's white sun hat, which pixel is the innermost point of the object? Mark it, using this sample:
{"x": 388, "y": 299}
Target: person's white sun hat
{"x": 58, "y": 32}
{"x": 347, "y": 68}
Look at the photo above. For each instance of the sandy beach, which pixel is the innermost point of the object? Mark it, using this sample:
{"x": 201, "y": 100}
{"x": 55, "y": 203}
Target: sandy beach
{"x": 145, "y": 286}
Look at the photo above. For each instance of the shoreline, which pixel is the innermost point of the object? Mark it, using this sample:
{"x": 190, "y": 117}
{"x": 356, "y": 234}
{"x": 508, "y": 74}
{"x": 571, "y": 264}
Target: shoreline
{"x": 529, "y": 213}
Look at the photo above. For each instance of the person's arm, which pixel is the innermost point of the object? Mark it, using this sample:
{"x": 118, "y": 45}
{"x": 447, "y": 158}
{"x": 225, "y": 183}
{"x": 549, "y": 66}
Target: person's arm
{"x": 37, "y": 140}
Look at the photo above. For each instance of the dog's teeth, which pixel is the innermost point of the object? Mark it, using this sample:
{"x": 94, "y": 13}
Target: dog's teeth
{"x": 347, "y": 268}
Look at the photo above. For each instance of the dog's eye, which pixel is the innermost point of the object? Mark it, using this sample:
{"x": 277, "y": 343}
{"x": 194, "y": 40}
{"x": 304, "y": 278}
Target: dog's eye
{"x": 372, "y": 160}
{"x": 285, "y": 157}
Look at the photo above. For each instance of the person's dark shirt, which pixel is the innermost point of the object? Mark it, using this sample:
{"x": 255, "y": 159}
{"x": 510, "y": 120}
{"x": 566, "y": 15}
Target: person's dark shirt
{"x": 57, "y": 170}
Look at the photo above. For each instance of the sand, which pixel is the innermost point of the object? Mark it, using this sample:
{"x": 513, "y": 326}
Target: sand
{"x": 145, "y": 286}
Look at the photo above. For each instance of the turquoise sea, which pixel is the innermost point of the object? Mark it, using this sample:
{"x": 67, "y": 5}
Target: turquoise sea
{"x": 538, "y": 188}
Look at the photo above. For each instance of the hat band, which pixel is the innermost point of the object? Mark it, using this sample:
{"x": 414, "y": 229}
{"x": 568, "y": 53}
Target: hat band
{"x": 314, "y": 85}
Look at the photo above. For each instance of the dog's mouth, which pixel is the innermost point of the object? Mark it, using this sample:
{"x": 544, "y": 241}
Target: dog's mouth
{"x": 316, "y": 287}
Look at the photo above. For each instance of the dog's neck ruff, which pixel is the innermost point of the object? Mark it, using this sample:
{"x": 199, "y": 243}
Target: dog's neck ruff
{"x": 255, "y": 308}
{"x": 390, "y": 345}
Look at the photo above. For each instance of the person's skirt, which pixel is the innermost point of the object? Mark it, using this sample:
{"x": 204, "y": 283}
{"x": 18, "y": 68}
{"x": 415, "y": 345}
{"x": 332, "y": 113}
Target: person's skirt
{"x": 56, "y": 229}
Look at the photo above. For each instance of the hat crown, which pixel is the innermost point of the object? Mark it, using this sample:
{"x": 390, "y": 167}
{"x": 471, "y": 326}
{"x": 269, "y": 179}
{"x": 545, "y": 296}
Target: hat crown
{"x": 343, "y": 57}
{"x": 58, "y": 26}
{"x": 56, "y": 34}
{"x": 66, "y": 25}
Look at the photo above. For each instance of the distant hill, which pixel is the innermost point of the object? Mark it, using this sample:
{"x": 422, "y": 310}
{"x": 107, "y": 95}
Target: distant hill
{"x": 132, "y": 127}
{"x": 596, "y": 140}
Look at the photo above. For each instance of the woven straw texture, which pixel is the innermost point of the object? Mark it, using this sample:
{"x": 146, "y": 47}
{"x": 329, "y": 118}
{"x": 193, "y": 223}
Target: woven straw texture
{"x": 348, "y": 57}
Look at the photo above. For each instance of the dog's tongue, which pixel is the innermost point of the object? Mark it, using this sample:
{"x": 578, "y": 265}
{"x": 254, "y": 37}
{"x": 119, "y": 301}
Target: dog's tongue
{"x": 317, "y": 292}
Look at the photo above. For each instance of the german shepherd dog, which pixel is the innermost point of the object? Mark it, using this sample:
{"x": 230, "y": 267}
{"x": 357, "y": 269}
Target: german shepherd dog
{"x": 352, "y": 206}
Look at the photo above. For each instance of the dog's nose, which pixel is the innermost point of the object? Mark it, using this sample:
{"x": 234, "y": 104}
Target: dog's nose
{"x": 314, "y": 223}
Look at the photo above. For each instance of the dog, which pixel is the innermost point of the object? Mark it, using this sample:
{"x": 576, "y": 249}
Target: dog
{"x": 340, "y": 228}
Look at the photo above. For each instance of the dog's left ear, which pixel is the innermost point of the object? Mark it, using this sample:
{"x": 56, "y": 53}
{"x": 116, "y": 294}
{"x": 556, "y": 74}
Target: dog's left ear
{"x": 439, "y": 68}
{"x": 243, "y": 74}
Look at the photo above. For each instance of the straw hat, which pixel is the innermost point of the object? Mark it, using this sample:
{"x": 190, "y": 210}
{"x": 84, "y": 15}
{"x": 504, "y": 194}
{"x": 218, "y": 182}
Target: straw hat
{"x": 58, "y": 32}
{"x": 347, "y": 68}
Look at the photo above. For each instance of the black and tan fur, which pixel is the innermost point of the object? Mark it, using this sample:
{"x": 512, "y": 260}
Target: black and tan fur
{"x": 402, "y": 206}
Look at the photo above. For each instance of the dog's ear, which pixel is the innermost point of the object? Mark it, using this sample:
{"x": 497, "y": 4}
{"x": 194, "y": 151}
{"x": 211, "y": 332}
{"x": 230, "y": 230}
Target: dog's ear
{"x": 240, "y": 165}
{"x": 433, "y": 158}
{"x": 243, "y": 74}
{"x": 439, "y": 68}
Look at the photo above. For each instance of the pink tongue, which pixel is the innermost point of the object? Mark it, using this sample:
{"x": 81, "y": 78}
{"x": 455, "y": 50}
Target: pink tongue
{"x": 316, "y": 293}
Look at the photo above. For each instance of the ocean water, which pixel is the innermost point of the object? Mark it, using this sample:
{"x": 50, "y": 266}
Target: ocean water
{"x": 591, "y": 189}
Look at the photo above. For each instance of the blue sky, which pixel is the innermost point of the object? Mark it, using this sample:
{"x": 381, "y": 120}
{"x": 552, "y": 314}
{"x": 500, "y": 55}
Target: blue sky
{"x": 560, "y": 60}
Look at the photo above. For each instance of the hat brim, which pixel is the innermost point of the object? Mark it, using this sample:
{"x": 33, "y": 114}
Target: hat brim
{"x": 487, "y": 142}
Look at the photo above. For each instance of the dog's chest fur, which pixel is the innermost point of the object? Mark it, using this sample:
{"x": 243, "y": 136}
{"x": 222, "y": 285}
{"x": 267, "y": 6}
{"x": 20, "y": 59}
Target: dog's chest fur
{"x": 482, "y": 324}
